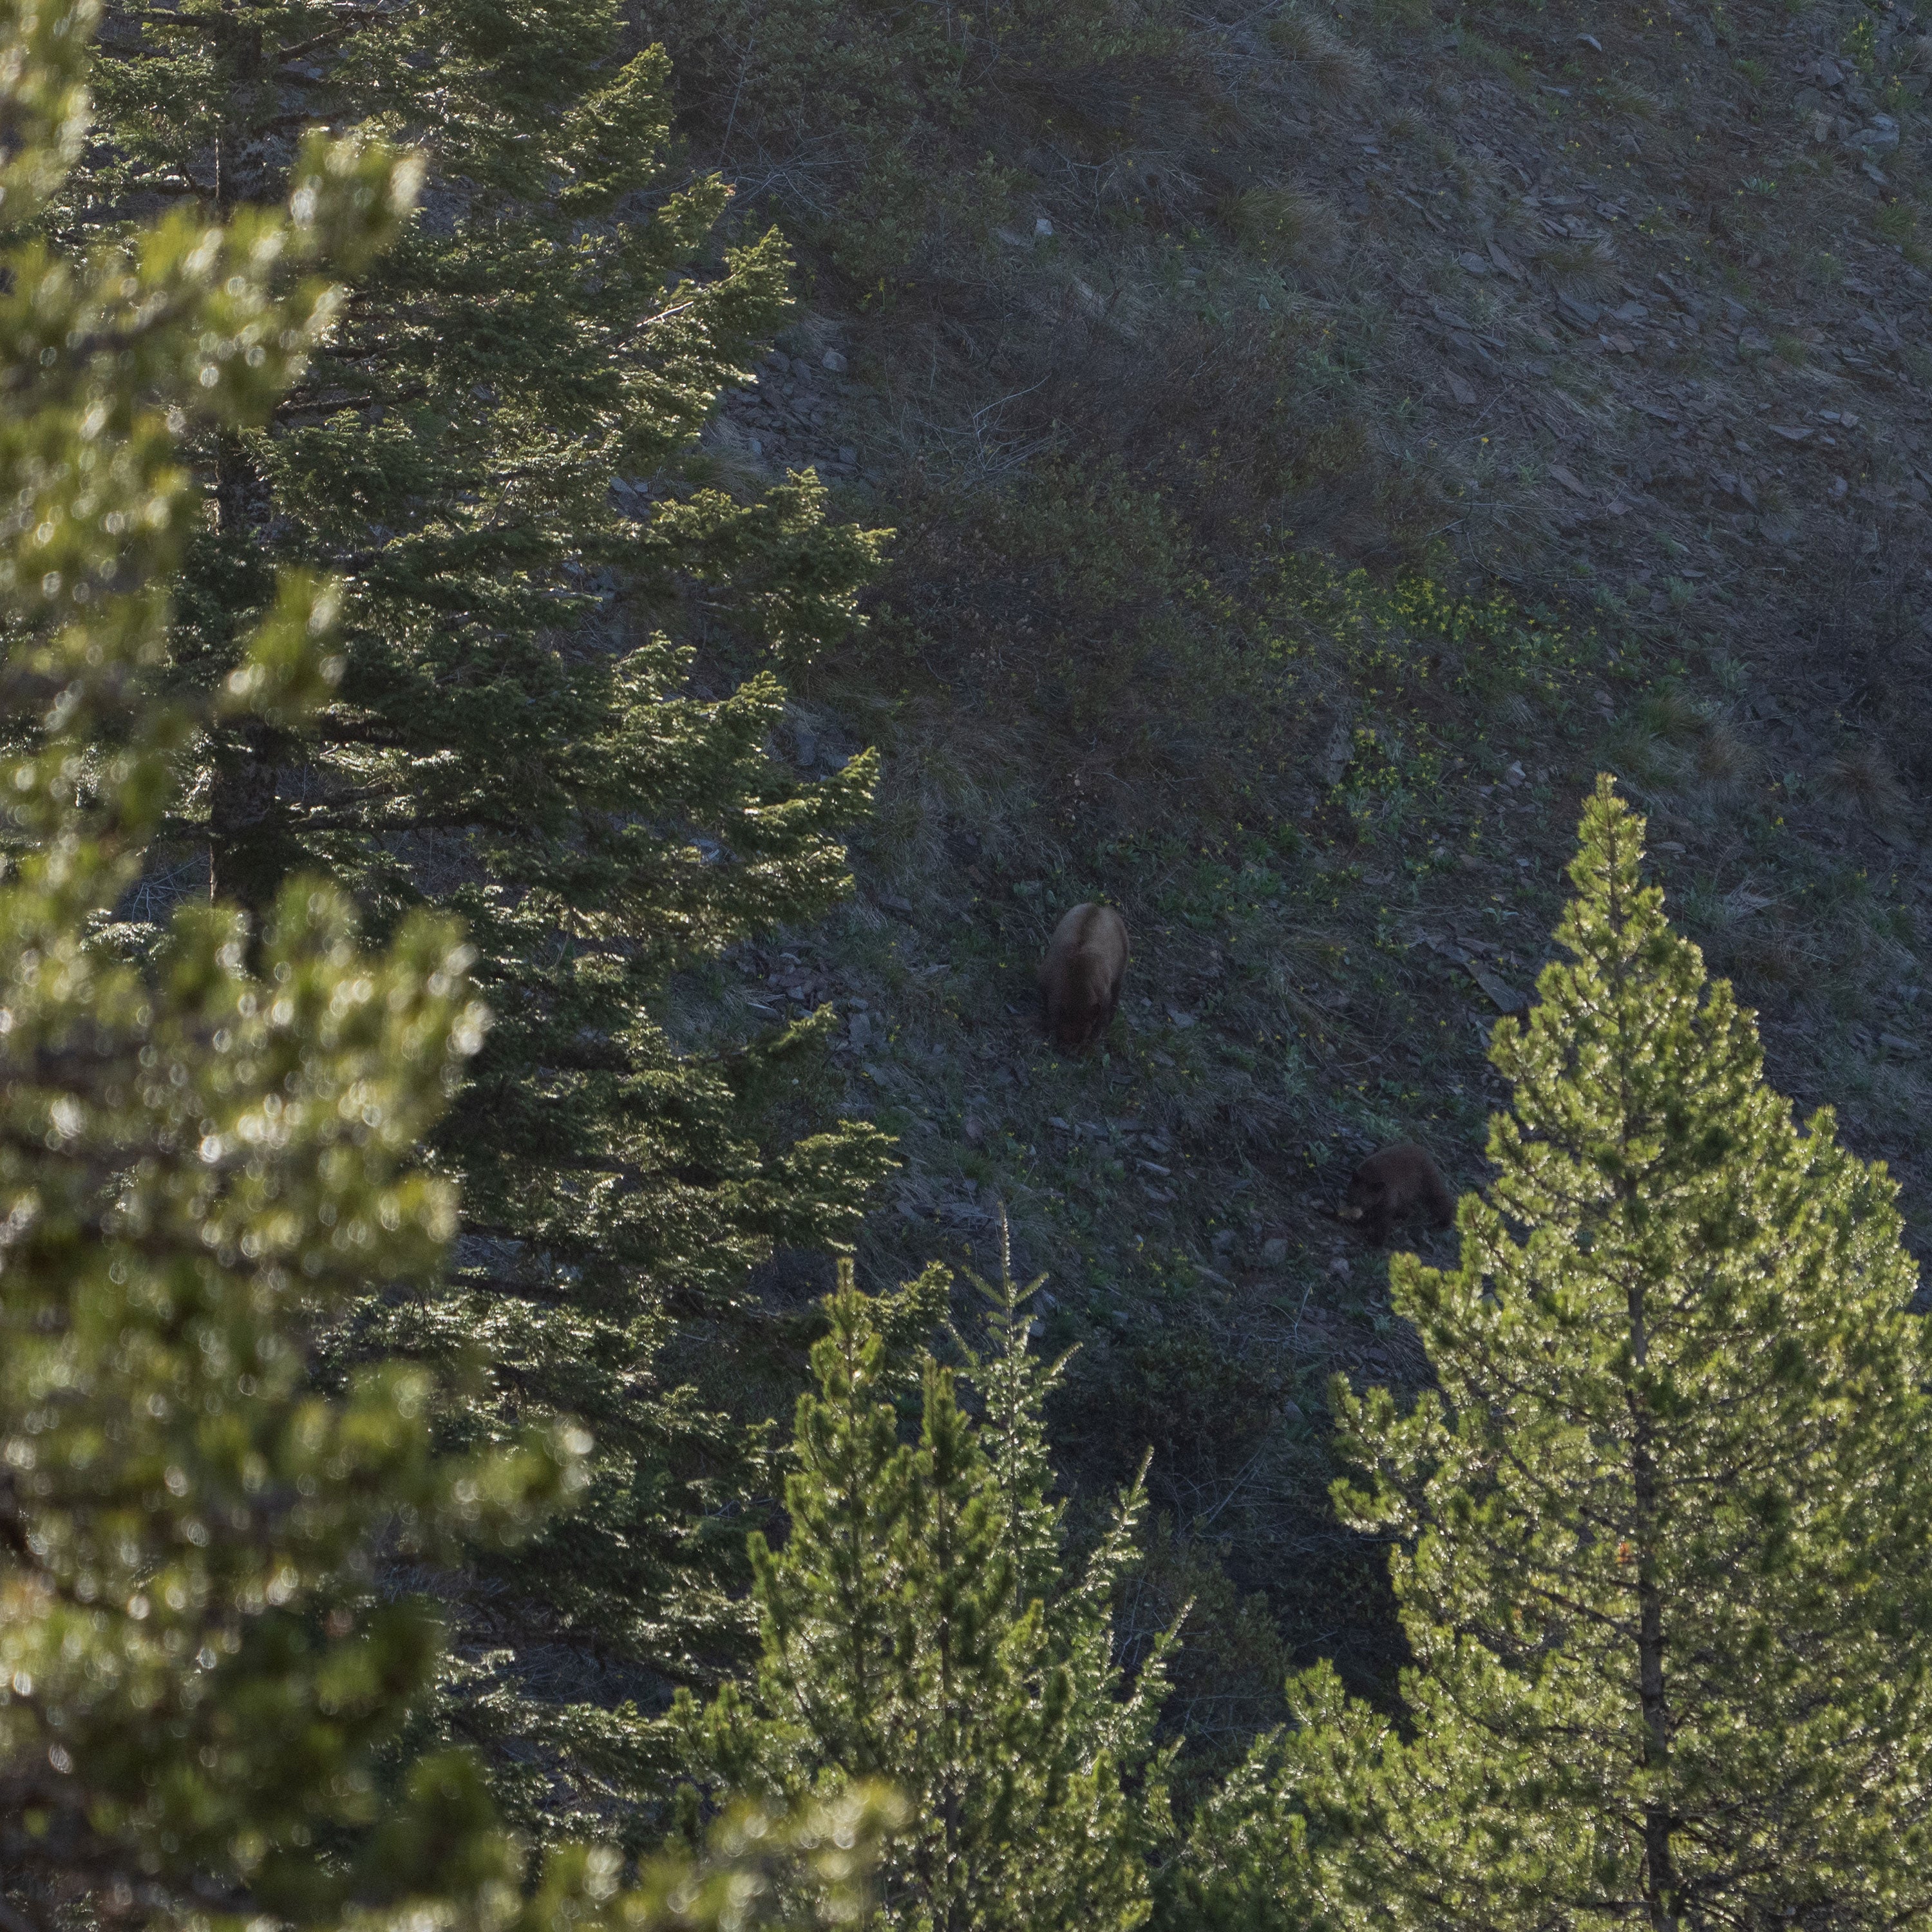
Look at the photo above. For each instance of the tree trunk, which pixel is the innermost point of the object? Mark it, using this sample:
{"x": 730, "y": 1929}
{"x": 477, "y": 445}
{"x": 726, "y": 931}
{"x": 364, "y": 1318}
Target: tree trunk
{"x": 241, "y": 796}
{"x": 242, "y": 789}
{"x": 241, "y": 799}
{"x": 1661, "y": 1871}
{"x": 1661, "y": 1891}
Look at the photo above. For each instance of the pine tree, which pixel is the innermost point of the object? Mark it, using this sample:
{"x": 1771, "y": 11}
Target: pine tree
{"x": 492, "y": 453}
{"x": 918, "y": 1628}
{"x": 1660, "y": 1529}
{"x": 200, "y": 1163}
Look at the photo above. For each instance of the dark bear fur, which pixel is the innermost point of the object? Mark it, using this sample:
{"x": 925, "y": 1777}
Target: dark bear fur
{"x": 1391, "y": 1185}
{"x": 1080, "y": 978}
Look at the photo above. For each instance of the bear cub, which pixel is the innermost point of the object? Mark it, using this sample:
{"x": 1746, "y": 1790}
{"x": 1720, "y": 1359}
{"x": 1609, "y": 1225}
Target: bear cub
{"x": 1390, "y": 1186}
{"x": 1080, "y": 977}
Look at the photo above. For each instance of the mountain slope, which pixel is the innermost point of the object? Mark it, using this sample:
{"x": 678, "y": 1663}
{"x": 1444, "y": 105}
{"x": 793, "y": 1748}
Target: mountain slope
{"x": 1318, "y": 440}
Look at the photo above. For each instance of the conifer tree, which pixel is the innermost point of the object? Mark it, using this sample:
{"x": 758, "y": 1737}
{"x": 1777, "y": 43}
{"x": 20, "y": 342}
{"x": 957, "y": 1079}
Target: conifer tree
{"x": 199, "y": 1163}
{"x": 493, "y": 454}
{"x": 1660, "y": 1529}
{"x": 918, "y": 1628}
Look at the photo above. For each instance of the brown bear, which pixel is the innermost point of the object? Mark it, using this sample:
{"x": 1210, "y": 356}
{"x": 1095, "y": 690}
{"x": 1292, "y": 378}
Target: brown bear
{"x": 1080, "y": 977}
{"x": 1393, "y": 1184}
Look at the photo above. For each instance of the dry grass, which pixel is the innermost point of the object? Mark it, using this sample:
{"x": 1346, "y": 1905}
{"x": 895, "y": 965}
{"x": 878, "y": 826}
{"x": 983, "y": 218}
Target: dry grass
{"x": 1583, "y": 269}
{"x": 1860, "y": 778}
{"x": 1499, "y": 60}
{"x": 1771, "y": 954}
{"x": 1285, "y": 226}
{"x": 1621, "y": 96}
{"x": 1519, "y": 227}
{"x": 1151, "y": 177}
{"x": 1671, "y": 713}
{"x": 1662, "y": 744}
{"x": 1332, "y": 68}
{"x": 1726, "y": 756}
{"x": 1407, "y": 16}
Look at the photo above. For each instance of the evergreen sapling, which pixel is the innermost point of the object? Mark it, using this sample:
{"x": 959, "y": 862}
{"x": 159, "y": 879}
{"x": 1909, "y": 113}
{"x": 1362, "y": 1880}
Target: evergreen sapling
{"x": 920, "y": 1626}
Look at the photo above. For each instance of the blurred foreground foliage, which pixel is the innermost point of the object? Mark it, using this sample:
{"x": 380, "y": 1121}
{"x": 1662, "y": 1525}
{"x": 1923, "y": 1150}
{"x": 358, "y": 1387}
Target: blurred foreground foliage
{"x": 204, "y": 1153}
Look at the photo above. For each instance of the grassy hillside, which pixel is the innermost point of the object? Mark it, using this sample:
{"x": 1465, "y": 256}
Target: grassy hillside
{"x": 1317, "y": 440}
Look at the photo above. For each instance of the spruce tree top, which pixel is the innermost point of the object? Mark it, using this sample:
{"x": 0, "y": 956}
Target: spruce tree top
{"x": 1657, "y": 1530}
{"x": 1661, "y": 1522}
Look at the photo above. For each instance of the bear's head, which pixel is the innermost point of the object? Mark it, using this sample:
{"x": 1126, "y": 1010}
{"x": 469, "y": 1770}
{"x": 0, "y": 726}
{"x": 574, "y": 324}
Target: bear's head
{"x": 1365, "y": 1192}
